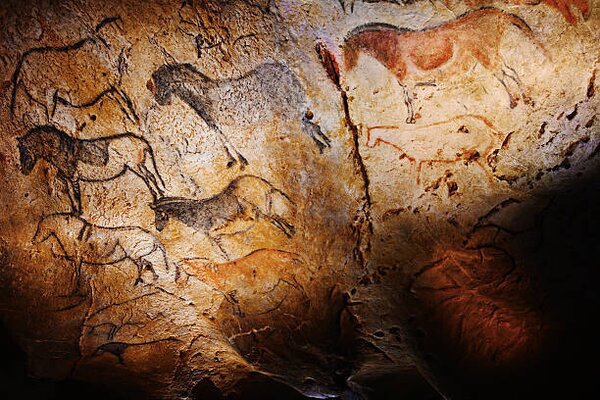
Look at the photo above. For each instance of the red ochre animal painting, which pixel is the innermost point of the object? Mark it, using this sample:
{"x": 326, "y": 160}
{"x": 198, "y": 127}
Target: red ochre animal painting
{"x": 441, "y": 51}
{"x": 467, "y": 138}
{"x": 568, "y": 8}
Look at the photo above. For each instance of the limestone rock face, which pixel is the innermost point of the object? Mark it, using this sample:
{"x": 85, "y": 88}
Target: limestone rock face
{"x": 301, "y": 199}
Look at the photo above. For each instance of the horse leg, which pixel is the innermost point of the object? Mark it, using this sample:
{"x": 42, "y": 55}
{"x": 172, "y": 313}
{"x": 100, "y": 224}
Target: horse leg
{"x": 50, "y": 105}
{"x": 138, "y": 170}
{"x": 77, "y": 285}
{"x": 124, "y": 103}
{"x": 217, "y": 242}
{"x": 500, "y": 76}
{"x": 77, "y": 193}
{"x": 142, "y": 265}
{"x": 512, "y": 74}
{"x": 230, "y": 150}
{"x": 152, "y": 170}
{"x": 278, "y": 222}
{"x": 408, "y": 102}
{"x": 151, "y": 182}
{"x": 74, "y": 194}
{"x": 314, "y": 131}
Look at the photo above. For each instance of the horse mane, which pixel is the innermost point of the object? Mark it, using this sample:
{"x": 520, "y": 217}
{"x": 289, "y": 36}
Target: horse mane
{"x": 35, "y": 133}
{"x": 165, "y": 201}
{"x": 382, "y": 26}
{"x": 181, "y": 67}
{"x": 374, "y": 27}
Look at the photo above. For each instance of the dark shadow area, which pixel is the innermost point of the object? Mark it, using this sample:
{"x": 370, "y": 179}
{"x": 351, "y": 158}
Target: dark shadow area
{"x": 556, "y": 277}
{"x": 16, "y": 384}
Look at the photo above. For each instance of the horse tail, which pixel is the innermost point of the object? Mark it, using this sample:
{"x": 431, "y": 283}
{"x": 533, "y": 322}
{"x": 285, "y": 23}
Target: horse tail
{"x": 527, "y": 31}
{"x": 152, "y": 167}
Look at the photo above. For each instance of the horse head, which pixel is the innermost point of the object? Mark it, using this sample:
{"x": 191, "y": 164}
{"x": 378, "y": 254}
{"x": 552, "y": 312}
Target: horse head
{"x": 27, "y": 156}
{"x": 41, "y": 233}
{"x": 161, "y": 215}
{"x": 47, "y": 225}
{"x": 170, "y": 78}
{"x": 161, "y": 85}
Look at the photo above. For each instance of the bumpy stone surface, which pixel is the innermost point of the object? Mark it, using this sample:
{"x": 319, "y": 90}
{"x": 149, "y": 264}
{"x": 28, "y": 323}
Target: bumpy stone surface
{"x": 290, "y": 199}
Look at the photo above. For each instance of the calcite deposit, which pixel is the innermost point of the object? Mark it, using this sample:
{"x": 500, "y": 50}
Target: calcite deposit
{"x": 300, "y": 198}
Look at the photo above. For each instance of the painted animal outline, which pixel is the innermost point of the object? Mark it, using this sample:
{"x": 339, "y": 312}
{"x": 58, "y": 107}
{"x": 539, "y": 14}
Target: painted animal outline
{"x": 250, "y": 98}
{"x": 106, "y": 81}
{"x": 458, "y": 126}
{"x": 89, "y": 160}
{"x": 567, "y": 8}
{"x": 444, "y": 49}
{"x": 247, "y": 197}
{"x": 85, "y": 243}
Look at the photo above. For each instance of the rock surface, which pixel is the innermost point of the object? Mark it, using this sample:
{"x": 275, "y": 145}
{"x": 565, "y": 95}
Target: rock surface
{"x": 301, "y": 199}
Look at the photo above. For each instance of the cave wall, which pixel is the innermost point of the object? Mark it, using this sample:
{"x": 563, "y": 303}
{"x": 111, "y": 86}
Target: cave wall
{"x": 354, "y": 199}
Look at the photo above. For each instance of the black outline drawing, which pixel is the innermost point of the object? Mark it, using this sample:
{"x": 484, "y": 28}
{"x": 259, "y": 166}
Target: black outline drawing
{"x": 72, "y": 157}
{"x": 117, "y": 349}
{"x": 268, "y": 88}
{"x": 109, "y": 89}
{"x": 349, "y": 4}
{"x": 212, "y": 214}
{"x": 105, "y": 245}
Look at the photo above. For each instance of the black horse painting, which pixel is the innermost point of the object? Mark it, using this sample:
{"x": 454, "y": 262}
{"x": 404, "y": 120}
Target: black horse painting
{"x": 89, "y": 160}
{"x": 84, "y": 243}
{"x": 269, "y": 90}
{"x": 247, "y": 198}
{"x": 41, "y": 72}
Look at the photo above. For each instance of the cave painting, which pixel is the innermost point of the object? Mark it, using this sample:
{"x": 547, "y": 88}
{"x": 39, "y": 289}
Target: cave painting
{"x": 95, "y": 78}
{"x": 240, "y": 278}
{"x": 84, "y": 243}
{"x": 464, "y": 138}
{"x": 246, "y": 198}
{"x": 271, "y": 90}
{"x": 568, "y": 8}
{"x": 441, "y": 51}
{"x": 89, "y": 160}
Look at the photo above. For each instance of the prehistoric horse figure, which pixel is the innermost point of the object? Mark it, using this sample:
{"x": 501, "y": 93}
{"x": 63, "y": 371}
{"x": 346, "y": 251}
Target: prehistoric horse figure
{"x": 565, "y": 7}
{"x": 41, "y": 73}
{"x": 437, "y": 52}
{"x": 467, "y": 138}
{"x": 89, "y": 160}
{"x": 271, "y": 89}
{"x": 247, "y": 197}
{"x": 85, "y": 243}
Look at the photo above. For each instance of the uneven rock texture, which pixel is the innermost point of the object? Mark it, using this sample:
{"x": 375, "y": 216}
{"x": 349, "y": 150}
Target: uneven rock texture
{"x": 299, "y": 199}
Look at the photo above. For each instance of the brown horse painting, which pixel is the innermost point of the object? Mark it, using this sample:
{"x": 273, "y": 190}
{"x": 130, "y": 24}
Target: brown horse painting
{"x": 568, "y": 8}
{"x": 441, "y": 51}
